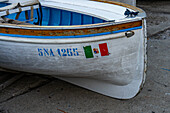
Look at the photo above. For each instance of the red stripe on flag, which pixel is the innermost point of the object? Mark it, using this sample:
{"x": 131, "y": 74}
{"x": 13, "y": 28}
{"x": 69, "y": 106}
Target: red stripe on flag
{"x": 104, "y": 49}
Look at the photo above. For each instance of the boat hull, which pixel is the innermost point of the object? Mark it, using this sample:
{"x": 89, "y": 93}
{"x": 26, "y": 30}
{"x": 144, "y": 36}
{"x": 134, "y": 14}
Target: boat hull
{"x": 118, "y": 72}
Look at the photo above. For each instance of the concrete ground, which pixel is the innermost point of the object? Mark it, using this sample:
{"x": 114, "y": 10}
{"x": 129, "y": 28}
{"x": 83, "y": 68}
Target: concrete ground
{"x": 41, "y": 94}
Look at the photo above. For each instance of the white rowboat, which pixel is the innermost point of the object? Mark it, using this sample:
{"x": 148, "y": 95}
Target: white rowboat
{"x": 96, "y": 44}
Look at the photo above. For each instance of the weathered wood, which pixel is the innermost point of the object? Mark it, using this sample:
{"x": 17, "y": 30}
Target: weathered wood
{"x": 70, "y": 32}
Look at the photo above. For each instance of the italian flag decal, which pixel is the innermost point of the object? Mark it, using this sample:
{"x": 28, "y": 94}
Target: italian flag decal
{"x": 96, "y": 50}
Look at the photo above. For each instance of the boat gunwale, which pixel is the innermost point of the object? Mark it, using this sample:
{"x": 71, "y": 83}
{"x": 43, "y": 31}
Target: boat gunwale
{"x": 94, "y": 34}
{"x": 98, "y": 25}
{"x": 65, "y": 40}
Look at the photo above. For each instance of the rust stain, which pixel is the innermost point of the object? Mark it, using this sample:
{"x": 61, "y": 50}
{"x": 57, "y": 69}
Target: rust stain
{"x": 70, "y": 32}
{"x": 61, "y": 110}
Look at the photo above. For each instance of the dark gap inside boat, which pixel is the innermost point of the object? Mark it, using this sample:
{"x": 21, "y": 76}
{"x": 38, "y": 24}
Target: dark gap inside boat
{"x": 47, "y": 16}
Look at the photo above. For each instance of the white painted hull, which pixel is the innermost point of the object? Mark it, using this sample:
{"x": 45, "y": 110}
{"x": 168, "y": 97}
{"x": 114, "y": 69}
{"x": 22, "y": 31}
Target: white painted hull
{"x": 120, "y": 74}
{"x": 99, "y": 55}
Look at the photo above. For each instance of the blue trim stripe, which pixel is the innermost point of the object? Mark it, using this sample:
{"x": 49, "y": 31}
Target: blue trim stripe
{"x": 165, "y": 69}
{"x": 78, "y": 36}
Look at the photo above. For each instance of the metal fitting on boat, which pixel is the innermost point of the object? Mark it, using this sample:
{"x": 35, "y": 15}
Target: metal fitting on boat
{"x": 129, "y": 34}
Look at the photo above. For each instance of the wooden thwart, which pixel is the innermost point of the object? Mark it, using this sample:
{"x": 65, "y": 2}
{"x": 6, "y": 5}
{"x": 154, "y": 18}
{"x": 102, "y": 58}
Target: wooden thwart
{"x": 17, "y": 8}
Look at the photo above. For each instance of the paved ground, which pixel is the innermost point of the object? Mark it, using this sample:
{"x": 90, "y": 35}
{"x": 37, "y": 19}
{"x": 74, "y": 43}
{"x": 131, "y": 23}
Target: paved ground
{"x": 40, "y": 94}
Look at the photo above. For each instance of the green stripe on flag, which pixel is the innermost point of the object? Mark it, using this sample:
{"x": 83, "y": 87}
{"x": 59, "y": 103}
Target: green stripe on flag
{"x": 88, "y": 52}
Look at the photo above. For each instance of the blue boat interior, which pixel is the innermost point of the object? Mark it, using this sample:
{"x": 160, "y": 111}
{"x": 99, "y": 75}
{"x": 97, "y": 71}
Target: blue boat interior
{"x": 53, "y": 17}
{"x": 2, "y": 4}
